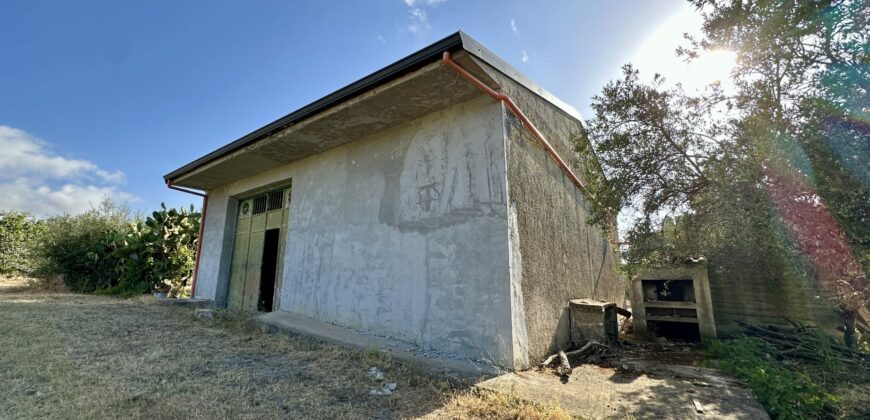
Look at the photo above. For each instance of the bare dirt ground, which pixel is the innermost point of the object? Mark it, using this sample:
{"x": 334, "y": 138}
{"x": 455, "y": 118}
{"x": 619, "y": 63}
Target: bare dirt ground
{"x": 65, "y": 355}
{"x": 640, "y": 389}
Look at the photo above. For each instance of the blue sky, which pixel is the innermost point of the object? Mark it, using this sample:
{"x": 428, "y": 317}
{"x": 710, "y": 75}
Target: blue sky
{"x": 104, "y": 97}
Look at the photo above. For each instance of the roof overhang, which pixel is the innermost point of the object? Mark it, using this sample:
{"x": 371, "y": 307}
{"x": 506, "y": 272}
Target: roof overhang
{"x": 407, "y": 89}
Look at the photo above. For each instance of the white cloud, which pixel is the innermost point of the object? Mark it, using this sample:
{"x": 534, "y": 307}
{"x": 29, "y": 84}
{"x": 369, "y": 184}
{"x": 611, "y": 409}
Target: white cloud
{"x": 116, "y": 177}
{"x": 24, "y": 154}
{"x": 381, "y": 39}
{"x": 418, "y": 19}
{"x": 43, "y": 200}
{"x": 514, "y": 26}
{"x": 34, "y": 179}
{"x": 525, "y": 57}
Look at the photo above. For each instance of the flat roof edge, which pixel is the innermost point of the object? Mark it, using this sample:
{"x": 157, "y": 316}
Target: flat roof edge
{"x": 398, "y": 68}
{"x": 455, "y": 41}
{"x": 478, "y": 50}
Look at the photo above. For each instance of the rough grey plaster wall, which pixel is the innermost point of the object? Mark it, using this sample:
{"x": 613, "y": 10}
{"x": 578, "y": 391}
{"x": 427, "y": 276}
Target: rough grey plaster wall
{"x": 751, "y": 296}
{"x": 213, "y": 238}
{"x": 229, "y": 236}
{"x": 404, "y": 233}
{"x": 518, "y": 307}
{"x": 561, "y": 256}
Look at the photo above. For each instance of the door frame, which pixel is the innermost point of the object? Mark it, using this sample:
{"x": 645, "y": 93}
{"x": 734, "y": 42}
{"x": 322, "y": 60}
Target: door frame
{"x": 240, "y": 199}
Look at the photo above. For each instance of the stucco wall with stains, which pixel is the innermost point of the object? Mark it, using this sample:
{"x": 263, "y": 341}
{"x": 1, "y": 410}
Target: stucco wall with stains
{"x": 403, "y": 233}
{"x": 560, "y": 256}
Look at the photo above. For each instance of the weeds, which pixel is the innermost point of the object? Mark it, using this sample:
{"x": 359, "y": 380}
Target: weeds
{"x": 785, "y": 392}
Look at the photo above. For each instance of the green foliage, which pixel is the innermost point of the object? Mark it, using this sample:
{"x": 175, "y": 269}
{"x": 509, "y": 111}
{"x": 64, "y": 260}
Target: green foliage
{"x": 18, "y": 232}
{"x": 104, "y": 251}
{"x": 704, "y": 174}
{"x": 77, "y": 249}
{"x": 784, "y": 393}
{"x": 157, "y": 253}
{"x": 654, "y": 144}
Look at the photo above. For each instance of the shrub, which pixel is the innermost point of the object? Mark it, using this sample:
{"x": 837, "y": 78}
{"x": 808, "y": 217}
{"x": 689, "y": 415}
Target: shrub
{"x": 784, "y": 393}
{"x": 78, "y": 248}
{"x": 156, "y": 254}
{"x": 104, "y": 250}
{"x": 17, "y": 235}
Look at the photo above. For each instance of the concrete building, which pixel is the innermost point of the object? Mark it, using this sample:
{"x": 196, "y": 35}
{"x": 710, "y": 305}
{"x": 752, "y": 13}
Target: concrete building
{"x": 411, "y": 204}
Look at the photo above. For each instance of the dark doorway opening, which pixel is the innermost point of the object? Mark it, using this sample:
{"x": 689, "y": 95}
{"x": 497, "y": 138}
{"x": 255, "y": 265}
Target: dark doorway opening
{"x": 268, "y": 270}
{"x": 686, "y": 332}
{"x": 668, "y": 291}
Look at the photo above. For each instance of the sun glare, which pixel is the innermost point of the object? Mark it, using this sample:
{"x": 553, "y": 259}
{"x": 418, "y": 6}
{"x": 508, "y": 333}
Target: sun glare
{"x": 657, "y": 55}
{"x": 711, "y": 66}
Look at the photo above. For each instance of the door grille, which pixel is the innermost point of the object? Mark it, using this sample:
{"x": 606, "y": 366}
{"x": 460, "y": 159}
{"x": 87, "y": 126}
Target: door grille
{"x": 273, "y": 200}
{"x": 276, "y": 200}
{"x": 260, "y": 204}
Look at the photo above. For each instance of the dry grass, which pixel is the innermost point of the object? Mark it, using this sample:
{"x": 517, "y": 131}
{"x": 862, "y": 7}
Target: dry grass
{"x": 66, "y": 355}
{"x": 479, "y": 404}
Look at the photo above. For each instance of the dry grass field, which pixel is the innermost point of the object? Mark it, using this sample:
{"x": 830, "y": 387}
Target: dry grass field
{"x": 65, "y": 355}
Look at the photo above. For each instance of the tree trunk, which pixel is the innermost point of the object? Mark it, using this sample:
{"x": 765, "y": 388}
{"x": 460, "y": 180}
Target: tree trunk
{"x": 849, "y": 333}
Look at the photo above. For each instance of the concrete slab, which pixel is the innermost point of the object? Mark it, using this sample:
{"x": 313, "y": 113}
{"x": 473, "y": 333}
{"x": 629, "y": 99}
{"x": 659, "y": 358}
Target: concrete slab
{"x": 193, "y": 303}
{"x": 597, "y": 392}
{"x": 438, "y": 363}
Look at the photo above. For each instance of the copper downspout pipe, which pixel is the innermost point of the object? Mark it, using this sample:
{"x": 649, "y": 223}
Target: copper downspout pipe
{"x": 509, "y": 103}
{"x": 198, "y": 236}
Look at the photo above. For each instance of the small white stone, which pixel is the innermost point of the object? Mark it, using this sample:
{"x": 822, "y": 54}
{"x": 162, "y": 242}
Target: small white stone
{"x": 376, "y": 373}
{"x": 204, "y": 314}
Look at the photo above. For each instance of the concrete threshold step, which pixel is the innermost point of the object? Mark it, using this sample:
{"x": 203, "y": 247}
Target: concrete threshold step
{"x": 453, "y": 368}
{"x": 194, "y": 303}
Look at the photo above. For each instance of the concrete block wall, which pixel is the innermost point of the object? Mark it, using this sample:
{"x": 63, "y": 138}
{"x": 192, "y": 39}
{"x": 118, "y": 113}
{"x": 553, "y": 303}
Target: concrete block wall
{"x": 752, "y": 296}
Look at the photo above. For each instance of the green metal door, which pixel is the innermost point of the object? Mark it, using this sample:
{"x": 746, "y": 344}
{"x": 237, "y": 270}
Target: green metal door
{"x": 255, "y": 216}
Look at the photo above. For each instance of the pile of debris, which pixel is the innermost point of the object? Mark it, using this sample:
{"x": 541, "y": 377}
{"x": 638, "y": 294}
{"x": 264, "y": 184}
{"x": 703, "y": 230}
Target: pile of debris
{"x": 591, "y": 352}
{"x": 804, "y": 343}
{"x": 378, "y": 375}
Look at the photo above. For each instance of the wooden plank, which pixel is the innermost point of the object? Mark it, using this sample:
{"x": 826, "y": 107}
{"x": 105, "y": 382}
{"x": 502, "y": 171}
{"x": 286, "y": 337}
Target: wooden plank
{"x": 243, "y": 226}
{"x": 282, "y": 249}
{"x": 279, "y": 274}
{"x": 252, "y": 272}
{"x": 238, "y": 271}
{"x": 258, "y": 223}
{"x": 274, "y": 219}
{"x": 237, "y": 265}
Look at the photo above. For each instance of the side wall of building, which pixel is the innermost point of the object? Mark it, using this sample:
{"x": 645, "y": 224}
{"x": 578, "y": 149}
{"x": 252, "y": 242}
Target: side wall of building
{"x": 403, "y": 233}
{"x": 560, "y": 256}
{"x": 749, "y": 295}
{"x": 216, "y": 248}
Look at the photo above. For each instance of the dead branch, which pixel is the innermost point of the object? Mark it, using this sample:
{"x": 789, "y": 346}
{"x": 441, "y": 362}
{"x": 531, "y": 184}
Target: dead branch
{"x": 624, "y": 312}
{"x": 582, "y": 350}
{"x": 548, "y": 360}
{"x": 804, "y": 343}
{"x": 564, "y": 367}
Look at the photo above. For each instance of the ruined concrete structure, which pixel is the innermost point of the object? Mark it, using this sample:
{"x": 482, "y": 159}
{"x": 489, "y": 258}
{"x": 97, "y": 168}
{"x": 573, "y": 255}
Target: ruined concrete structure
{"x": 674, "y": 302}
{"x": 412, "y": 205}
